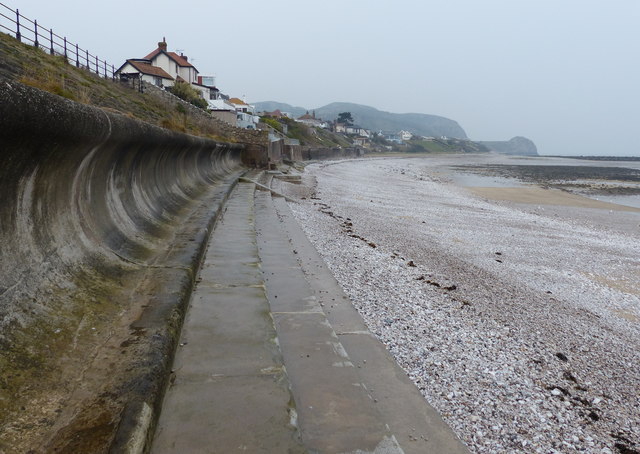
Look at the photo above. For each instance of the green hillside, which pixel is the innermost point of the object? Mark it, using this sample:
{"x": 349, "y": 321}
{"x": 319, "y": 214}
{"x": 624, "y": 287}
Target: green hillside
{"x": 377, "y": 120}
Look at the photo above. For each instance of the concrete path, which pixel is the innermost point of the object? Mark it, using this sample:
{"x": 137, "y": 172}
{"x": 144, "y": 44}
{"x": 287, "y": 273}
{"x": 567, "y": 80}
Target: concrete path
{"x": 340, "y": 391}
{"x": 230, "y": 392}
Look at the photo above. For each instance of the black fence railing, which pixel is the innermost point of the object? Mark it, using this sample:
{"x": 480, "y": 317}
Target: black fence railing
{"x": 29, "y": 31}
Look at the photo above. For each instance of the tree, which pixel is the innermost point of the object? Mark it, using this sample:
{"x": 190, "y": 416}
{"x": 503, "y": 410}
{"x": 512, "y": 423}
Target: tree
{"x": 345, "y": 117}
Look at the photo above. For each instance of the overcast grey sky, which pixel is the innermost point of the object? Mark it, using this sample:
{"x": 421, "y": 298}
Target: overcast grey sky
{"x": 563, "y": 73}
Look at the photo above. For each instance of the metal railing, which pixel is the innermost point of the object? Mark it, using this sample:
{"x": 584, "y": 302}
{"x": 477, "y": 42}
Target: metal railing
{"x": 29, "y": 31}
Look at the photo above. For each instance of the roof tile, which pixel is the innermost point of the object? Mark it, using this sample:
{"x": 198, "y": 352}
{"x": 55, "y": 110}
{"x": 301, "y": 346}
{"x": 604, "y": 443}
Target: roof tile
{"x": 147, "y": 68}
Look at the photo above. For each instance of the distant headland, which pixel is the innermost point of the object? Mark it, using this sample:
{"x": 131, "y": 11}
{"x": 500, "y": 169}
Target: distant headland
{"x": 418, "y": 124}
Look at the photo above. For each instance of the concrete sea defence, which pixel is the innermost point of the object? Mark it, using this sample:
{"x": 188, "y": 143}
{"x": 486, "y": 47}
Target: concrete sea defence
{"x": 103, "y": 222}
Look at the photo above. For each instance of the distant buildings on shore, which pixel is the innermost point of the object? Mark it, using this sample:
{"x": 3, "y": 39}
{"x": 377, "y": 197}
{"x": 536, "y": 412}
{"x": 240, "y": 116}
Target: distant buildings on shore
{"x": 164, "y": 69}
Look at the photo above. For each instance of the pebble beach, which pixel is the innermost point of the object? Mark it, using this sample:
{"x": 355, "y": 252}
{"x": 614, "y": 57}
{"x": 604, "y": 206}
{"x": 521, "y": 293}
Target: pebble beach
{"x": 517, "y": 318}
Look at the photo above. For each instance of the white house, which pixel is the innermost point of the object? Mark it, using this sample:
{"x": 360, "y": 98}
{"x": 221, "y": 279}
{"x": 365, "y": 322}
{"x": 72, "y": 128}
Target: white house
{"x": 163, "y": 68}
{"x": 142, "y": 69}
{"x": 206, "y": 85}
{"x": 246, "y": 117}
{"x": 392, "y": 137}
{"x": 177, "y": 66}
{"x": 311, "y": 120}
{"x": 223, "y": 110}
{"x": 405, "y": 135}
{"x": 221, "y": 104}
{"x": 358, "y": 130}
{"x": 340, "y": 127}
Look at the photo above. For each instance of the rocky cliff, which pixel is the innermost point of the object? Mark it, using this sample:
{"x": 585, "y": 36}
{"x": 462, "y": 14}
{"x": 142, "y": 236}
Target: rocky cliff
{"x": 520, "y": 146}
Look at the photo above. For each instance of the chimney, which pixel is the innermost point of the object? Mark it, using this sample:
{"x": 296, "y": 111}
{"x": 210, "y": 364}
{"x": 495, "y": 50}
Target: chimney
{"x": 163, "y": 44}
{"x": 184, "y": 56}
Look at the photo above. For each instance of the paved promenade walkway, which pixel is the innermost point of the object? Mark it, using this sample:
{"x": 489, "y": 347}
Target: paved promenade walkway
{"x": 274, "y": 359}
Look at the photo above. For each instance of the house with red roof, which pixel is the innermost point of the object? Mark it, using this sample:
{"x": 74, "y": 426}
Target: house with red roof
{"x": 163, "y": 68}
{"x": 177, "y": 66}
{"x": 311, "y": 120}
{"x": 140, "y": 69}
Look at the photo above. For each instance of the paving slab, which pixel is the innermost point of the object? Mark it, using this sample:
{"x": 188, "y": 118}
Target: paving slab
{"x": 214, "y": 417}
{"x": 228, "y": 331}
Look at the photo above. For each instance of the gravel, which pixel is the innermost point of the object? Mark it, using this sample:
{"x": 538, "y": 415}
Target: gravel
{"x": 519, "y": 326}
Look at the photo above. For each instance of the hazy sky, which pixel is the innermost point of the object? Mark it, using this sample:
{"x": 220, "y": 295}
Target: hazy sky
{"x": 564, "y": 73}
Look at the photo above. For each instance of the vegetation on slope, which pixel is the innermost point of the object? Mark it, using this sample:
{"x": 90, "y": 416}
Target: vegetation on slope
{"x": 420, "y": 145}
{"x": 307, "y": 135}
{"x": 32, "y": 66}
{"x": 187, "y": 93}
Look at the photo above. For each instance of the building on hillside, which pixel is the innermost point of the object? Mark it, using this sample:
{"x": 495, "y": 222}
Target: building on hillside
{"x": 242, "y": 106}
{"x": 405, "y": 135}
{"x": 142, "y": 70}
{"x": 360, "y": 141}
{"x": 340, "y": 127}
{"x": 246, "y": 117}
{"x": 162, "y": 68}
{"x": 392, "y": 137}
{"x": 206, "y": 85}
{"x": 275, "y": 114}
{"x": 176, "y": 65}
{"x": 311, "y": 120}
{"x": 223, "y": 110}
{"x": 345, "y": 128}
{"x": 358, "y": 130}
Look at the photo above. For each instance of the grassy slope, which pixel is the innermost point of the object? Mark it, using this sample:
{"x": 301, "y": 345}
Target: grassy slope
{"x": 26, "y": 64}
{"x": 31, "y": 66}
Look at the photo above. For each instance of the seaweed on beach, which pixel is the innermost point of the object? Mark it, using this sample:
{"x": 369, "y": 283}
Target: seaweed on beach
{"x": 548, "y": 173}
{"x": 594, "y": 179}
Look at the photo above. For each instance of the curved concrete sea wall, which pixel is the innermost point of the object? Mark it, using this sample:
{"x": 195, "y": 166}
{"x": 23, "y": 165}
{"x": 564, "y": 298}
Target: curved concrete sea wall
{"x": 103, "y": 222}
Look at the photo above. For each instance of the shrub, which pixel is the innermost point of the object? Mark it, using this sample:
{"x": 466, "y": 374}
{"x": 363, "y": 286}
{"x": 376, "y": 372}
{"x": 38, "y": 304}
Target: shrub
{"x": 185, "y": 91}
{"x": 275, "y": 124}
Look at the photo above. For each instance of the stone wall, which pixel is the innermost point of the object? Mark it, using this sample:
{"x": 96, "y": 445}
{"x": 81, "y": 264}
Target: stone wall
{"x": 225, "y": 115}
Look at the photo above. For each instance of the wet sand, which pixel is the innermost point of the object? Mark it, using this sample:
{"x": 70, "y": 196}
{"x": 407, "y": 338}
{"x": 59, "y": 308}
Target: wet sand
{"x": 542, "y": 196}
